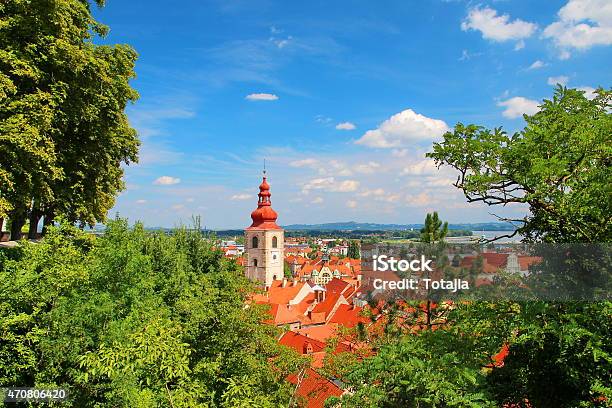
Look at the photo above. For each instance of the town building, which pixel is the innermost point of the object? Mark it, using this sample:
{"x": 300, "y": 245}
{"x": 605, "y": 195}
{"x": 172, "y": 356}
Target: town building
{"x": 264, "y": 241}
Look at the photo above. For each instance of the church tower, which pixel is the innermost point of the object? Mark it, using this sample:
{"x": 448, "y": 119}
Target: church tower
{"x": 264, "y": 241}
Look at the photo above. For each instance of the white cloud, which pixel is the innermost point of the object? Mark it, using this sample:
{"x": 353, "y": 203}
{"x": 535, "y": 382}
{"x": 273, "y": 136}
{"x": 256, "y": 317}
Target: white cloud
{"x": 517, "y": 106}
{"x": 589, "y": 92}
{"x": 281, "y": 42}
{"x": 582, "y": 24}
{"x": 241, "y": 197}
{"x": 402, "y": 129}
{"x": 178, "y": 207}
{"x": 561, "y": 79}
{"x": 190, "y": 200}
{"x": 335, "y": 168}
{"x": 595, "y": 10}
{"x": 346, "y": 186}
{"x": 323, "y": 119}
{"x": 423, "y": 167}
{"x": 391, "y": 198}
{"x": 167, "y": 180}
{"x": 317, "y": 200}
{"x": 351, "y": 204}
{"x": 399, "y": 152}
{"x": 304, "y": 163}
{"x": 519, "y": 45}
{"x": 375, "y": 192}
{"x": 141, "y": 202}
{"x": 420, "y": 200}
{"x": 261, "y": 97}
{"x": 330, "y": 184}
{"x": 367, "y": 168}
{"x": 345, "y": 126}
{"x": 439, "y": 182}
{"x": 497, "y": 27}
{"x": 537, "y": 65}
{"x": 466, "y": 55}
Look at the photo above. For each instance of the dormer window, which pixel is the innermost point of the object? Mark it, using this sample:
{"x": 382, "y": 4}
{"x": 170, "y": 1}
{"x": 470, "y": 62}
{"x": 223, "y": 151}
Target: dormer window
{"x": 308, "y": 349}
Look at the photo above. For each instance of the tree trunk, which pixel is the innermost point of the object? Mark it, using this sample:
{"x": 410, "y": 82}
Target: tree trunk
{"x": 48, "y": 221}
{"x": 1, "y": 224}
{"x": 34, "y": 219}
{"x": 17, "y": 223}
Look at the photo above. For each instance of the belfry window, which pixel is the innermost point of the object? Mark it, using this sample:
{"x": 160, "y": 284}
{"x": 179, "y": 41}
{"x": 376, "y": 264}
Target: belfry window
{"x": 255, "y": 262}
{"x": 255, "y": 242}
{"x": 274, "y": 242}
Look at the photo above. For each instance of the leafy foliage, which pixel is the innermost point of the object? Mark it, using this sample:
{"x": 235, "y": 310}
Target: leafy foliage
{"x": 431, "y": 369}
{"x": 353, "y": 250}
{"x": 559, "y": 353}
{"x": 136, "y": 319}
{"x": 559, "y": 165}
{"x": 63, "y": 129}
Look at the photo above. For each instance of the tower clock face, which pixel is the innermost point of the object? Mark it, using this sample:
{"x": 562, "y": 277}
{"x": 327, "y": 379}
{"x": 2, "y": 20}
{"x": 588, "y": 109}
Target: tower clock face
{"x": 275, "y": 255}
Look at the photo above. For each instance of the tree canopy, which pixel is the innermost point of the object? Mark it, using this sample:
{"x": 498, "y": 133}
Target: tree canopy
{"x": 63, "y": 130}
{"x": 353, "y": 250}
{"x": 433, "y": 229}
{"x": 513, "y": 353}
{"x": 135, "y": 318}
{"x": 559, "y": 166}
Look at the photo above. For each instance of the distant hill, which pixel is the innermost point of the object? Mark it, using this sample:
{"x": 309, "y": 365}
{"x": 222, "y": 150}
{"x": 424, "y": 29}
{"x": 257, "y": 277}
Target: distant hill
{"x": 367, "y": 226}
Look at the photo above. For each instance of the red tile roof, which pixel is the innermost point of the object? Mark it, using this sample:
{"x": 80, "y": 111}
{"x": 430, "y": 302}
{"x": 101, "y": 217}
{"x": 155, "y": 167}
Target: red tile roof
{"x": 327, "y": 305}
{"x": 313, "y": 389}
{"x": 301, "y": 343}
{"x": 283, "y": 314}
{"x": 279, "y": 295}
{"x": 498, "y": 359}
{"x": 487, "y": 266}
{"x": 526, "y": 261}
{"x": 495, "y": 259}
{"x": 348, "y": 316}
{"x": 321, "y": 332}
{"x": 336, "y": 285}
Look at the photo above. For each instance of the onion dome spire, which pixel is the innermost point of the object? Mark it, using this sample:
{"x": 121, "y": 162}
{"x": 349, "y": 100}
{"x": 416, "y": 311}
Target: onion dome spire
{"x": 264, "y": 217}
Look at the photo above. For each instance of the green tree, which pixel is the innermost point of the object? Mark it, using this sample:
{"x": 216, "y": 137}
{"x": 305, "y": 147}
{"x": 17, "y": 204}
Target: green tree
{"x": 419, "y": 371}
{"x": 353, "y": 250}
{"x": 559, "y": 166}
{"x": 433, "y": 230}
{"x": 137, "y": 319}
{"x": 287, "y": 270}
{"x": 63, "y": 130}
{"x": 559, "y": 353}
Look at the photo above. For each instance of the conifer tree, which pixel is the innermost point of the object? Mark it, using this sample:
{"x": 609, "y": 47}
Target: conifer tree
{"x": 434, "y": 230}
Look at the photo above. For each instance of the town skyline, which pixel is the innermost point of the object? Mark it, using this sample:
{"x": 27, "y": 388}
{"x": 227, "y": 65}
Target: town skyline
{"x": 341, "y": 101}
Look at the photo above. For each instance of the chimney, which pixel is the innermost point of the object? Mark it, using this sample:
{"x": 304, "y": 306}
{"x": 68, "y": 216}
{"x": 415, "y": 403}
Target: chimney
{"x": 294, "y": 283}
{"x": 284, "y": 282}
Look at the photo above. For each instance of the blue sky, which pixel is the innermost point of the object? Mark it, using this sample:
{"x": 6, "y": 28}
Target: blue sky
{"x": 342, "y": 99}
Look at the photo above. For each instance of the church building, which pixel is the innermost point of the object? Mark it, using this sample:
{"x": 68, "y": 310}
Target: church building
{"x": 264, "y": 241}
